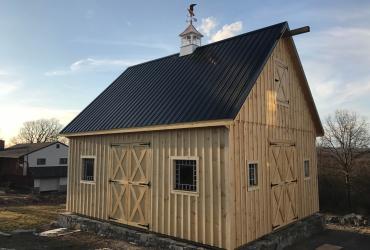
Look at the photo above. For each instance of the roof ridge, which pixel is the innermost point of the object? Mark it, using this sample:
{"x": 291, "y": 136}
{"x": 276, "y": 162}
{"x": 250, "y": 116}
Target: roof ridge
{"x": 210, "y": 44}
{"x": 244, "y": 34}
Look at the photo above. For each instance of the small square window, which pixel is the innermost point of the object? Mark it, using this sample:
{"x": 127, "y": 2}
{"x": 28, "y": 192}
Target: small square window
{"x": 252, "y": 175}
{"x": 63, "y": 161}
{"x": 41, "y": 161}
{"x": 58, "y": 146}
{"x": 306, "y": 166}
{"x": 88, "y": 165}
{"x": 185, "y": 175}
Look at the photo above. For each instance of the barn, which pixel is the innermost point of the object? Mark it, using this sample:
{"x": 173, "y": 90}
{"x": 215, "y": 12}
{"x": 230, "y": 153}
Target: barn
{"x": 215, "y": 144}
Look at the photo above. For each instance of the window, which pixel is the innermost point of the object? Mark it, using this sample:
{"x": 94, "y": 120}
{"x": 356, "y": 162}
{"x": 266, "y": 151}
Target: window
{"x": 63, "y": 161}
{"x": 306, "y": 168}
{"x": 252, "y": 175}
{"x": 88, "y": 167}
{"x": 58, "y": 146}
{"x": 185, "y": 174}
{"x": 41, "y": 161}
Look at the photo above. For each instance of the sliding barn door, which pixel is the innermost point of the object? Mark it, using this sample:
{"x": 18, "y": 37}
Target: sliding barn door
{"x": 283, "y": 176}
{"x": 130, "y": 184}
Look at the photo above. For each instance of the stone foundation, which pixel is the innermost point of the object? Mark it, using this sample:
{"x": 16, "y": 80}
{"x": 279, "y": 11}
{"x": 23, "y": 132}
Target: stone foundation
{"x": 288, "y": 235}
{"x": 283, "y": 237}
{"x": 141, "y": 238}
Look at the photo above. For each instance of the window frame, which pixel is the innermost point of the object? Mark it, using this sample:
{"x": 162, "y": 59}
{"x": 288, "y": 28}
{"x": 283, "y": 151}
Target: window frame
{"x": 173, "y": 175}
{"x": 37, "y": 161}
{"x": 254, "y": 187}
{"x": 304, "y": 169}
{"x": 81, "y": 166}
{"x": 63, "y": 163}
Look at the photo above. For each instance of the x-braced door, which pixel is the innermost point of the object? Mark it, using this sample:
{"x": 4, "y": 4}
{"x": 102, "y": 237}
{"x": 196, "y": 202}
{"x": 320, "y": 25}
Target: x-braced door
{"x": 130, "y": 184}
{"x": 283, "y": 176}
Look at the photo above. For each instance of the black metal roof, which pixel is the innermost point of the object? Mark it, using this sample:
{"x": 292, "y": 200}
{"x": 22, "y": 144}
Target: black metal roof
{"x": 212, "y": 83}
{"x": 47, "y": 172}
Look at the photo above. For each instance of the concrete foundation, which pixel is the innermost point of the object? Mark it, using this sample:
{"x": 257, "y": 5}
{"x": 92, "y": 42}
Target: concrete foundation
{"x": 283, "y": 237}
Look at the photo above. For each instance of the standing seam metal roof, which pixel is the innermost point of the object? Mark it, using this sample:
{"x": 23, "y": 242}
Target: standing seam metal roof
{"x": 212, "y": 83}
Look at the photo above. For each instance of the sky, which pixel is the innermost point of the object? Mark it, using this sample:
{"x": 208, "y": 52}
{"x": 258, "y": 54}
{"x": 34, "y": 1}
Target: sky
{"x": 57, "y": 56}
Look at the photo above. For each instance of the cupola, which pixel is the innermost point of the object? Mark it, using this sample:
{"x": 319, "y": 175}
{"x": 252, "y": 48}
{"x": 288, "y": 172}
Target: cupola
{"x": 190, "y": 37}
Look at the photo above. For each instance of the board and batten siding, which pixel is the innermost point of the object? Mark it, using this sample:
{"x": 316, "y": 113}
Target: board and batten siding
{"x": 260, "y": 121}
{"x": 201, "y": 218}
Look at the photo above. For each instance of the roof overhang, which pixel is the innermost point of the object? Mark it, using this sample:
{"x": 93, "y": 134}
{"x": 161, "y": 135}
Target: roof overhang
{"x": 10, "y": 157}
{"x": 202, "y": 124}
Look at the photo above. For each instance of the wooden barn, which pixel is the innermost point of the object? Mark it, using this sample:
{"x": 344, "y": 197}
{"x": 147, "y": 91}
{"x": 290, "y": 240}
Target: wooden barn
{"x": 215, "y": 144}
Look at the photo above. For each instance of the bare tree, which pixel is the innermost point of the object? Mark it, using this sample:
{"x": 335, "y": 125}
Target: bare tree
{"x": 347, "y": 138}
{"x": 42, "y": 130}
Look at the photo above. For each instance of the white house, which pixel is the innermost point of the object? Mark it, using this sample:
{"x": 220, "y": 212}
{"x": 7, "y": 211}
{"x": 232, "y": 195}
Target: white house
{"x": 40, "y": 165}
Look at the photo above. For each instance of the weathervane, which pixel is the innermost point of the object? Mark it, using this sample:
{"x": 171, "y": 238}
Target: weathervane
{"x": 191, "y": 14}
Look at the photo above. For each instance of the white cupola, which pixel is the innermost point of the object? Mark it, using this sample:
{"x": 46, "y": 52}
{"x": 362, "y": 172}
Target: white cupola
{"x": 190, "y": 40}
{"x": 190, "y": 37}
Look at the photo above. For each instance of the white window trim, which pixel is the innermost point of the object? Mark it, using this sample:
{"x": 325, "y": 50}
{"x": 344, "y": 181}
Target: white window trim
{"x": 81, "y": 169}
{"x": 172, "y": 175}
{"x": 253, "y": 188}
{"x": 309, "y": 169}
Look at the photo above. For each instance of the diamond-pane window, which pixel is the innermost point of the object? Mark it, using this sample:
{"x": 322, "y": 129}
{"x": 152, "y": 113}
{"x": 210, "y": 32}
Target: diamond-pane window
{"x": 185, "y": 175}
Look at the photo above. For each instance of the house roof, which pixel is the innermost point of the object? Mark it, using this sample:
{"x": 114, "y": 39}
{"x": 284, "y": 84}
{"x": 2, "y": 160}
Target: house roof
{"x": 210, "y": 84}
{"x": 47, "y": 172}
{"x": 191, "y": 29}
{"x": 19, "y": 150}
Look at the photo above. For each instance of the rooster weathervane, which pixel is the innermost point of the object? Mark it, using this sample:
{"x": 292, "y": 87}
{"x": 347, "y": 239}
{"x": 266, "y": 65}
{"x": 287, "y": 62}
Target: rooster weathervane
{"x": 191, "y": 14}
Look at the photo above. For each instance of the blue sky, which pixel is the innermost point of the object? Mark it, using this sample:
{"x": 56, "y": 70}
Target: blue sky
{"x": 57, "y": 56}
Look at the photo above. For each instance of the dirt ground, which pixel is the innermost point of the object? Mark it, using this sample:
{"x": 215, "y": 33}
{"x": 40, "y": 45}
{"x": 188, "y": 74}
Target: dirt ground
{"x": 28, "y": 211}
{"x": 38, "y": 217}
{"x": 75, "y": 241}
{"x": 348, "y": 238}
{"x": 17, "y": 199}
{"x": 39, "y": 213}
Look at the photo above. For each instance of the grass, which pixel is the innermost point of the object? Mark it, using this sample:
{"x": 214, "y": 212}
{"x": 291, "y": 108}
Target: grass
{"x": 28, "y": 217}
